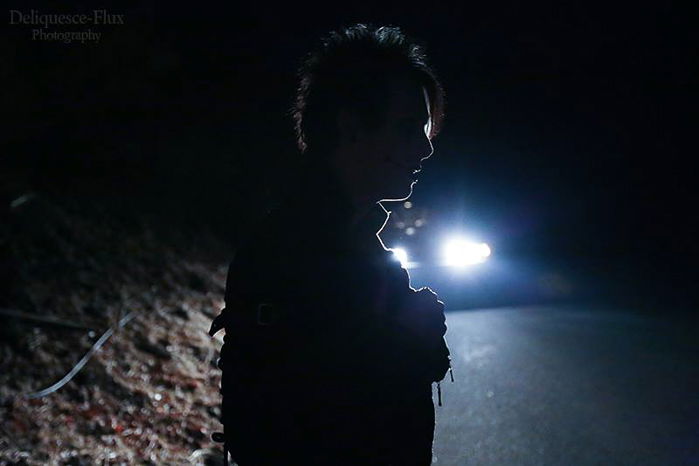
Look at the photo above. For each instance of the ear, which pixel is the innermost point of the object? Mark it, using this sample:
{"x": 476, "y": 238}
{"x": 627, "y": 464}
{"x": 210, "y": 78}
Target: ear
{"x": 347, "y": 126}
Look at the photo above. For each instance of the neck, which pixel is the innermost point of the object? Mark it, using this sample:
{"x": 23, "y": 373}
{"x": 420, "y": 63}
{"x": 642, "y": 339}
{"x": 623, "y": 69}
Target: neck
{"x": 360, "y": 211}
{"x": 355, "y": 191}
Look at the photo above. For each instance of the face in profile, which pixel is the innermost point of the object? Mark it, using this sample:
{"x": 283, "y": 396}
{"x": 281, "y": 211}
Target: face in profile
{"x": 387, "y": 158}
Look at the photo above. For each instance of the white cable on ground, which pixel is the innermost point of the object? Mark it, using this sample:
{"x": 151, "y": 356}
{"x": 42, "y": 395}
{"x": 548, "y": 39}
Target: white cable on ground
{"x": 96, "y": 346}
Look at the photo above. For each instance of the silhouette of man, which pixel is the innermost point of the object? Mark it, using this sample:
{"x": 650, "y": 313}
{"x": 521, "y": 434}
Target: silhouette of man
{"x": 329, "y": 354}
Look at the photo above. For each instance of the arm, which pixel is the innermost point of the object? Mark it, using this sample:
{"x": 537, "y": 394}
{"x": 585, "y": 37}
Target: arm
{"x": 389, "y": 330}
{"x": 349, "y": 322}
{"x": 418, "y": 325}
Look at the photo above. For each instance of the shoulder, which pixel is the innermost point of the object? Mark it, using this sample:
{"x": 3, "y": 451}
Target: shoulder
{"x": 277, "y": 229}
{"x": 267, "y": 248}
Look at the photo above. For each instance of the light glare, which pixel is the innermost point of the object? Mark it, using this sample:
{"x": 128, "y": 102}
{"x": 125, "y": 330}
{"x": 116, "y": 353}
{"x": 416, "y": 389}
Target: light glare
{"x": 401, "y": 256}
{"x": 461, "y": 253}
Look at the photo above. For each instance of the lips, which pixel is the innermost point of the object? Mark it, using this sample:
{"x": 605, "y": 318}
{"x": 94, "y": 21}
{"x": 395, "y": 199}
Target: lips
{"x": 412, "y": 172}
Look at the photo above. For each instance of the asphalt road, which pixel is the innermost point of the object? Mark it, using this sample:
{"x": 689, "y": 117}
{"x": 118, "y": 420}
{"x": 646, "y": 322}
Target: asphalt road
{"x": 569, "y": 386}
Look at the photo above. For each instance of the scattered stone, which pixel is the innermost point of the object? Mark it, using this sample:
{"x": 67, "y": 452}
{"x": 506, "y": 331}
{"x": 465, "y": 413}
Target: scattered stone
{"x": 181, "y": 313}
{"x": 197, "y": 283}
{"x": 214, "y": 411}
{"x": 155, "y": 350}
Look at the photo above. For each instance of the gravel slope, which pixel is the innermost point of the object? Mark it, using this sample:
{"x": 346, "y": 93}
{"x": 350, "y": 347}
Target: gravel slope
{"x": 150, "y": 394}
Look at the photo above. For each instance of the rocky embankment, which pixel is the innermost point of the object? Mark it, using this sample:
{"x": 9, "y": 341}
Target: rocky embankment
{"x": 71, "y": 270}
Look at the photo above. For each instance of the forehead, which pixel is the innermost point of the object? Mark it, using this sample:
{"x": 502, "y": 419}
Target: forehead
{"x": 406, "y": 98}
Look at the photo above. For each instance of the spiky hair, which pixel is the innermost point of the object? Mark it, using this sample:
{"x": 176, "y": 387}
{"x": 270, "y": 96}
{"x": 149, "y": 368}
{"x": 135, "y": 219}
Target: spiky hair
{"x": 352, "y": 69}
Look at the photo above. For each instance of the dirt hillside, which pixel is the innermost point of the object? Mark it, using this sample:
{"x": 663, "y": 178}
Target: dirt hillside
{"x": 71, "y": 270}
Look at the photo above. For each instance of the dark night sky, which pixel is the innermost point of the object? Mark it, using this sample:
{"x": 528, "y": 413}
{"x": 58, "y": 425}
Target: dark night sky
{"x": 566, "y": 138}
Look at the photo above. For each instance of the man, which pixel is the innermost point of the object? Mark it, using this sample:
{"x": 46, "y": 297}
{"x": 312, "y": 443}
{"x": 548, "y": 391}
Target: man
{"x": 329, "y": 354}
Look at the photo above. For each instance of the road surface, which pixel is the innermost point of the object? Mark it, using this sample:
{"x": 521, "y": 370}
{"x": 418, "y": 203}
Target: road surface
{"x": 569, "y": 386}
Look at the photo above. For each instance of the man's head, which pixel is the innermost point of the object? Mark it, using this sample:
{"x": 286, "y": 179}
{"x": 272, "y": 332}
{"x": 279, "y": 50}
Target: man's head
{"x": 369, "y": 104}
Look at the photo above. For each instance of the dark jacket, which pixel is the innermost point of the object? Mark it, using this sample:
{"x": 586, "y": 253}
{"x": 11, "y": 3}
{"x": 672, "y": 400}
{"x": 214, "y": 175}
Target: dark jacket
{"x": 329, "y": 354}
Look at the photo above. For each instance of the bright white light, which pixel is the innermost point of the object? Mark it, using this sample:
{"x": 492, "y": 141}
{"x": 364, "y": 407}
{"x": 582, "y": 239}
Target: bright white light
{"x": 401, "y": 255}
{"x": 462, "y": 252}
